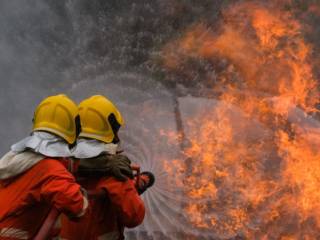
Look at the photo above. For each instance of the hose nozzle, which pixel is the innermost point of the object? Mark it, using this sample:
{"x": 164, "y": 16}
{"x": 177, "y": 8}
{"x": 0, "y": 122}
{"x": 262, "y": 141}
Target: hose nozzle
{"x": 143, "y": 180}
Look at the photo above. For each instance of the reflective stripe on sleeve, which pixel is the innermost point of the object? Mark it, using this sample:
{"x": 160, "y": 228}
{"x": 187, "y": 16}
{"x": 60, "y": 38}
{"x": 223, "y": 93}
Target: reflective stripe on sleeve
{"x": 109, "y": 236}
{"x": 13, "y": 233}
{"x": 84, "y": 208}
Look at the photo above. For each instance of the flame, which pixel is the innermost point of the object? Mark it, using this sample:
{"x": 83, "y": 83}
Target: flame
{"x": 255, "y": 174}
{"x": 302, "y": 172}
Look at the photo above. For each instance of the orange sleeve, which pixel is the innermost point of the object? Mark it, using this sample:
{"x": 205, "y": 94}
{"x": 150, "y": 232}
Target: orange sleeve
{"x": 124, "y": 196}
{"x": 60, "y": 189}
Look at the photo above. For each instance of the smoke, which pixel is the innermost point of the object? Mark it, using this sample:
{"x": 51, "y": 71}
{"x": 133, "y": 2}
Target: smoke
{"x": 48, "y": 46}
{"x": 31, "y": 60}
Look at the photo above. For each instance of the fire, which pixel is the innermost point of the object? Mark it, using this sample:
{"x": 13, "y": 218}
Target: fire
{"x": 302, "y": 172}
{"x": 251, "y": 171}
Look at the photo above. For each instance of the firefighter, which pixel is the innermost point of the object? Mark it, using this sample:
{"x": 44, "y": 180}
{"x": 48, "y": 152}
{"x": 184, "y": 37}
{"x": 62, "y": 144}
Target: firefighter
{"x": 34, "y": 175}
{"x": 120, "y": 206}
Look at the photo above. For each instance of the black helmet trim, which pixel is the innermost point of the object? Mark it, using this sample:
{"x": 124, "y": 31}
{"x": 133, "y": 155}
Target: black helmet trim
{"x": 115, "y": 125}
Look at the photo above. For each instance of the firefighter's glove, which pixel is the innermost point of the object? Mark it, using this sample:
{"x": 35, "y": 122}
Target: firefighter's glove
{"x": 119, "y": 166}
{"x": 116, "y": 165}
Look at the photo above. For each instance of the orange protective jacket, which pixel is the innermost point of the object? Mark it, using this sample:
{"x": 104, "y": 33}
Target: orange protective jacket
{"x": 107, "y": 217}
{"x": 26, "y": 199}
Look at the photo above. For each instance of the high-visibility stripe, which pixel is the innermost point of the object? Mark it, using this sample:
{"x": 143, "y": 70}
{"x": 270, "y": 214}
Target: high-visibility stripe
{"x": 109, "y": 236}
{"x": 84, "y": 208}
{"x": 13, "y": 233}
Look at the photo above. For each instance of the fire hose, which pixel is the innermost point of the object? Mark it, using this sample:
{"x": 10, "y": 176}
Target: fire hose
{"x": 143, "y": 181}
{"x": 45, "y": 230}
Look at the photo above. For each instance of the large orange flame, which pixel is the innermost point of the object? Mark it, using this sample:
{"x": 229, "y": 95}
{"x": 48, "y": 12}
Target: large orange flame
{"x": 252, "y": 170}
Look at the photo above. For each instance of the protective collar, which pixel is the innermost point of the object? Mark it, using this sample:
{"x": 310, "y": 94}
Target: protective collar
{"x": 44, "y": 143}
{"x": 89, "y": 148}
{"x": 14, "y": 163}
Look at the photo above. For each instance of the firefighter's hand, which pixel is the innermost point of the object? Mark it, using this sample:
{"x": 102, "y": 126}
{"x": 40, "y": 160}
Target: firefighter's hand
{"x": 116, "y": 165}
{"x": 119, "y": 166}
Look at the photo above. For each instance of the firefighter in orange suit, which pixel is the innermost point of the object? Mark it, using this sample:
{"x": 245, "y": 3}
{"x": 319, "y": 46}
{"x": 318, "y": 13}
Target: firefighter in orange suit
{"x": 97, "y": 150}
{"x": 34, "y": 175}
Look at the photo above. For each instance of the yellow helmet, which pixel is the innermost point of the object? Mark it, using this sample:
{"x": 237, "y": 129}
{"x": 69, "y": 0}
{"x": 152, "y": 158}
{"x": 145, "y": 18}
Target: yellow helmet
{"x": 58, "y": 115}
{"x": 100, "y": 119}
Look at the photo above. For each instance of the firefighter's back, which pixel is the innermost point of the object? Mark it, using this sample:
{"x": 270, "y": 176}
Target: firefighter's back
{"x": 26, "y": 199}
{"x": 108, "y": 214}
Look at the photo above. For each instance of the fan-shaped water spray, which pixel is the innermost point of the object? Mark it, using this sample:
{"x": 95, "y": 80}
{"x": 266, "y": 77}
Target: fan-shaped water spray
{"x": 149, "y": 115}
